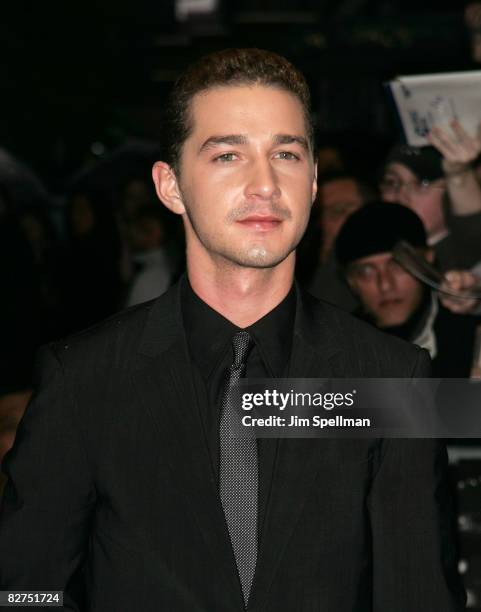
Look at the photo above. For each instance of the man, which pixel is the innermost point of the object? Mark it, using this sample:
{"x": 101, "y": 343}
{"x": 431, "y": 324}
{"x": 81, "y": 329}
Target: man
{"x": 157, "y": 257}
{"x": 391, "y": 298}
{"x": 339, "y": 194}
{"x": 123, "y": 465}
{"x": 442, "y": 190}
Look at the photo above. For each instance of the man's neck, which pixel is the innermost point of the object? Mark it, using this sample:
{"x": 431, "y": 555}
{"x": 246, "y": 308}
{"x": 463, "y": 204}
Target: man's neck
{"x": 242, "y": 295}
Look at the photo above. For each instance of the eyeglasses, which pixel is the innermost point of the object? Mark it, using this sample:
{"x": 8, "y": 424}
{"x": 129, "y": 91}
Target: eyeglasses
{"x": 390, "y": 184}
{"x": 369, "y": 271}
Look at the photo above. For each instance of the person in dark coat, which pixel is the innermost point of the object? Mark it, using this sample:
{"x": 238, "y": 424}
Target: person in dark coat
{"x": 391, "y": 298}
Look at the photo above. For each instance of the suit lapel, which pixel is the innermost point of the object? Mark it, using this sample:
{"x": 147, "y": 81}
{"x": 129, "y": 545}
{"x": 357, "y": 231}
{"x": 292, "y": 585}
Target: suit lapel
{"x": 314, "y": 355}
{"x": 163, "y": 381}
{"x": 165, "y": 388}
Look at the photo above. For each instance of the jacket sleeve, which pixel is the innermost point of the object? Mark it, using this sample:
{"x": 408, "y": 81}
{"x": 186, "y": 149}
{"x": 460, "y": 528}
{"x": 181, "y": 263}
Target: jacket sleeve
{"x": 49, "y": 495}
{"x": 465, "y": 231}
{"x": 413, "y": 526}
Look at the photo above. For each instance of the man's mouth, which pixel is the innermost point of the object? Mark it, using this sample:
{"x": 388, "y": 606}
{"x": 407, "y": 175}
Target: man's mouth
{"x": 390, "y": 302}
{"x": 261, "y": 222}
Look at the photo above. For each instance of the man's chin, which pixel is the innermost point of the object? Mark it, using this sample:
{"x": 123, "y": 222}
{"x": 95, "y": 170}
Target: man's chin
{"x": 259, "y": 261}
{"x": 259, "y": 257}
{"x": 386, "y": 322}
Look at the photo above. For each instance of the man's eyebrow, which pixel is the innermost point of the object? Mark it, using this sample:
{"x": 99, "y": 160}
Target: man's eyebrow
{"x": 228, "y": 139}
{"x": 280, "y": 139}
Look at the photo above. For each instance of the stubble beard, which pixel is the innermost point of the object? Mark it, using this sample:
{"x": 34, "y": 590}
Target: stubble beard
{"x": 227, "y": 255}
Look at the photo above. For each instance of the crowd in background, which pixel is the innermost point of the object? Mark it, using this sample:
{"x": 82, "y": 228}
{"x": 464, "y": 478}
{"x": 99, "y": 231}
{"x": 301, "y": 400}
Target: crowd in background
{"x": 105, "y": 242}
{"x": 108, "y": 243}
{"x": 71, "y": 261}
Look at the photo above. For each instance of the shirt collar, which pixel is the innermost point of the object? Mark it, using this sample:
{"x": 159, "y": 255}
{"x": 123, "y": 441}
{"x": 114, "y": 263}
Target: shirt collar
{"x": 209, "y": 334}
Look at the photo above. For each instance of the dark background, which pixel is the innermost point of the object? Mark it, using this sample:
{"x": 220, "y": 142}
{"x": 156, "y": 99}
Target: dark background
{"x": 79, "y": 79}
{"x": 77, "y": 73}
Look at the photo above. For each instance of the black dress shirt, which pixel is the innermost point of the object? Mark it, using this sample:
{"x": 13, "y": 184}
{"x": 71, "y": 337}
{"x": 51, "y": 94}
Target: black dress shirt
{"x": 209, "y": 338}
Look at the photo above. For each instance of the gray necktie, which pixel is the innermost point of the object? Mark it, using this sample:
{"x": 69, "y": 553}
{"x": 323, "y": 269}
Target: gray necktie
{"x": 238, "y": 475}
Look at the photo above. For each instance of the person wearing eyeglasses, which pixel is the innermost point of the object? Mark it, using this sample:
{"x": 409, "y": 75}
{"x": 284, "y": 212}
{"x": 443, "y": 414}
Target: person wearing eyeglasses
{"x": 439, "y": 183}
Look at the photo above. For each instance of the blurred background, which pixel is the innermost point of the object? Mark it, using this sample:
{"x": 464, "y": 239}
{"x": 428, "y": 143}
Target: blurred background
{"x": 83, "y": 87}
{"x": 77, "y": 82}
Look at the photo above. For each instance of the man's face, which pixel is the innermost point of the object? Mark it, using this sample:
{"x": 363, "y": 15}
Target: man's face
{"x": 401, "y": 185}
{"x": 247, "y": 176}
{"x": 387, "y": 292}
{"x": 338, "y": 199}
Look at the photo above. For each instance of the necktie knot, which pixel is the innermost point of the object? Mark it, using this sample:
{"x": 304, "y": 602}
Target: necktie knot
{"x": 240, "y": 344}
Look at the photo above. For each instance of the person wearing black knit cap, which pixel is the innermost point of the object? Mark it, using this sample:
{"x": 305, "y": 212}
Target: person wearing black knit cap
{"x": 392, "y": 299}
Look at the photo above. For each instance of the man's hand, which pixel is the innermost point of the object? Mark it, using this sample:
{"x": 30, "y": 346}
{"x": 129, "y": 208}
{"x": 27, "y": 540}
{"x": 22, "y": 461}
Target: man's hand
{"x": 458, "y": 149}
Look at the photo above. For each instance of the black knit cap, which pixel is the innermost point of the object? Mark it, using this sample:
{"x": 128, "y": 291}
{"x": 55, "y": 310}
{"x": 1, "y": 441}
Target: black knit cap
{"x": 376, "y": 228}
{"x": 424, "y": 162}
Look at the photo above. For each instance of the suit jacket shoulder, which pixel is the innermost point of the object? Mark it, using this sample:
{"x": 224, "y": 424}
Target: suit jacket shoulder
{"x": 150, "y": 328}
{"x": 360, "y": 347}
{"x": 115, "y": 343}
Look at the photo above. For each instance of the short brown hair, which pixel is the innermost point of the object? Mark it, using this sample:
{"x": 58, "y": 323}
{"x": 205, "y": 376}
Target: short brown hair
{"x": 229, "y": 67}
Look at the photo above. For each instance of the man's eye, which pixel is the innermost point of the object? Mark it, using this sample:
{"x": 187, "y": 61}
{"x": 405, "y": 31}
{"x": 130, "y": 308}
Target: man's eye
{"x": 287, "y": 155}
{"x": 364, "y": 272}
{"x": 390, "y": 184}
{"x": 225, "y": 157}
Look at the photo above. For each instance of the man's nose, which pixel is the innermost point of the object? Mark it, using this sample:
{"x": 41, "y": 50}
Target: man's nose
{"x": 385, "y": 280}
{"x": 262, "y": 181}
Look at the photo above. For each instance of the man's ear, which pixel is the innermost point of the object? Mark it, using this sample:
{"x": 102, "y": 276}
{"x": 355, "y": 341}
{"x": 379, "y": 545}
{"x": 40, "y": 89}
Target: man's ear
{"x": 167, "y": 187}
{"x": 351, "y": 284}
{"x": 314, "y": 183}
{"x": 351, "y": 281}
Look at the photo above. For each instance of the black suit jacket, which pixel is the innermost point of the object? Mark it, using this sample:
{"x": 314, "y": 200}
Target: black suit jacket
{"x": 110, "y": 484}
